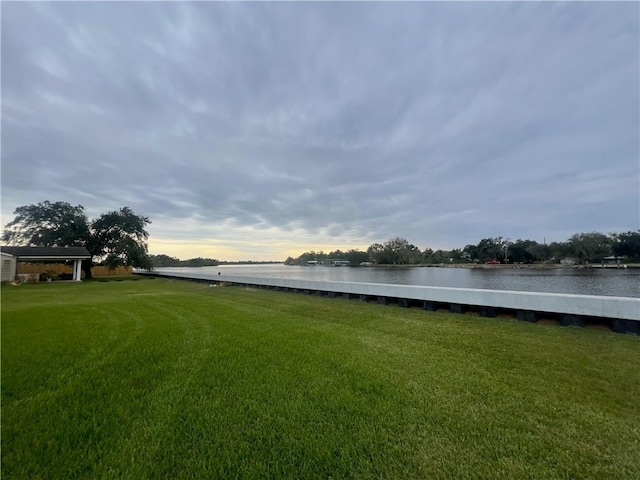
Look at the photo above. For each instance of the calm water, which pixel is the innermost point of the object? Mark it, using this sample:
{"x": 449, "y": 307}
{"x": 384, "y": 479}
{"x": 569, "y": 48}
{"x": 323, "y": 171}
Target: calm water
{"x": 621, "y": 283}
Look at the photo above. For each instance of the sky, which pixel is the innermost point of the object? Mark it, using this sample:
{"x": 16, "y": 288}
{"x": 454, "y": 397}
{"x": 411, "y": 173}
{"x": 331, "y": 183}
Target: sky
{"x": 264, "y": 130}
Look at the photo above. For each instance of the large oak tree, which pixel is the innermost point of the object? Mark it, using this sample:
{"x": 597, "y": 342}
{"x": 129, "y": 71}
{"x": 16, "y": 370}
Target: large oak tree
{"x": 117, "y": 237}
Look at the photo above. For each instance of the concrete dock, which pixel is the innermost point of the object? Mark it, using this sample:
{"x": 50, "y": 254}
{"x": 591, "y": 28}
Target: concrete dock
{"x": 622, "y": 314}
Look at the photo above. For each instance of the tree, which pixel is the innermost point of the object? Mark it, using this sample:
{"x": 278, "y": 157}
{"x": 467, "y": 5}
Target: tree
{"x": 376, "y": 253}
{"x": 117, "y": 237}
{"x": 521, "y": 251}
{"x": 356, "y": 257}
{"x": 337, "y": 255}
{"x": 47, "y": 224}
{"x": 627, "y": 245}
{"x": 492, "y": 249}
{"x": 440, "y": 256}
{"x": 427, "y": 255}
{"x": 120, "y": 238}
{"x": 163, "y": 260}
{"x": 399, "y": 251}
{"x": 200, "y": 262}
{"x": 540, "y": 252}
{"x": 457, "y": 256}
{"x": 559, "y": 250}
{"x": 590, "y": 247}
{"x": 306, "y": 257}
{"x": 470, "y": 253}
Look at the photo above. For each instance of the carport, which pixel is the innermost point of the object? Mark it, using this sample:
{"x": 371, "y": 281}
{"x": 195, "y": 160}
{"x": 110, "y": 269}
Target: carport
{"x": 48, "y": 254}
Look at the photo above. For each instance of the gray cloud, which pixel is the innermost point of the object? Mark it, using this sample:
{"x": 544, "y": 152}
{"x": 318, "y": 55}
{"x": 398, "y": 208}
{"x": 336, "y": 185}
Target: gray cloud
{"x": 336, "y": 123}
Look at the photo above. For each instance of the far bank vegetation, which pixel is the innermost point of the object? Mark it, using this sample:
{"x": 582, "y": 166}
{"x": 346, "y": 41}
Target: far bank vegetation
{"x": 581, "y": 248}
{"x": 167, "y": 261}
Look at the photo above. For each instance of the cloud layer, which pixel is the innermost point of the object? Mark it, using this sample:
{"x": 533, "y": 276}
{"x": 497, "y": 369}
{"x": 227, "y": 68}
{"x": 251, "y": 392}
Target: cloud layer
{"x": 258, "y": 130}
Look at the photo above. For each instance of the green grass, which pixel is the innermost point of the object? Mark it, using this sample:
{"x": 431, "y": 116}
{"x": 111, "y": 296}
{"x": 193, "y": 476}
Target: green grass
{"x": 168, "y": 379}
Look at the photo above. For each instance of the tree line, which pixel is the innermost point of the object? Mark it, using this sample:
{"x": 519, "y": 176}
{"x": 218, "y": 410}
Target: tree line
{"x": 582, "y": 248}
{"x": 163, "y": 260}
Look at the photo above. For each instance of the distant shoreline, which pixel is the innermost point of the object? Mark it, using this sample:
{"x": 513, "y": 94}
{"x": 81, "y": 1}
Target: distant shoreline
{"x": 510, "y": 266}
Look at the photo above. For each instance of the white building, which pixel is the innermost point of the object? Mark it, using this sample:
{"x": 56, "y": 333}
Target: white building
{"x": 8, "y": 267}
{"x": 44, "y": 254}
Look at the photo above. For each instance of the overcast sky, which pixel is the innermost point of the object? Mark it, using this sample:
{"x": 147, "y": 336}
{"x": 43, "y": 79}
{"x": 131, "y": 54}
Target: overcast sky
{"x": 262, "y": 130}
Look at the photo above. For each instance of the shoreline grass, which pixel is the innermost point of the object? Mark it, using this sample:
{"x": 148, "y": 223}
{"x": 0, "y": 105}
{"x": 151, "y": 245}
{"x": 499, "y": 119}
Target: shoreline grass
{"x": 170, "y": 379}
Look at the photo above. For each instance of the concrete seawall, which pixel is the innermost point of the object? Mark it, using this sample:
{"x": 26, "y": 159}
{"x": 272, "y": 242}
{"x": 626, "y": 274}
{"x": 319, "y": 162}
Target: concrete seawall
{"x": 621, "y": 313}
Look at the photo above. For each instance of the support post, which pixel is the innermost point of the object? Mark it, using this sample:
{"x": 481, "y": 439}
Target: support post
{"x": 633, "y": 327}
{"x": 569, "y": 320}
{"x": 488, "y": 312}
{"x": 457, "y": 308}
{"x": 526, "y": 316}
{"x": 619, "y": 325}
{"x": 77, "y": 271}
{"x": 430, "y": 306}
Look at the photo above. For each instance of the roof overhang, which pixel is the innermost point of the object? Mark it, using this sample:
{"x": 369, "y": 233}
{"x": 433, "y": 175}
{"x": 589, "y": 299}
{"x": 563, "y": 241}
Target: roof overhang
{"x": 39, "y": 254}
{"x": 53, "y": 257}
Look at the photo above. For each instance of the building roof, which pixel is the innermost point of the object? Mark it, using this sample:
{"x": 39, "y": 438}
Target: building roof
{"x": 47, "y": 253}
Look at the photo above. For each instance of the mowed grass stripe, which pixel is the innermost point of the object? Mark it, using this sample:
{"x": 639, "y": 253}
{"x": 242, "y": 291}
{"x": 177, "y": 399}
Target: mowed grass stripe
{"x": 170, "y": 379}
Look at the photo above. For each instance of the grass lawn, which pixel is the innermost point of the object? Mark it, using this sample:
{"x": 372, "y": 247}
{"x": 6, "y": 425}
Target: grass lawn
{"x": 169, "y": 379}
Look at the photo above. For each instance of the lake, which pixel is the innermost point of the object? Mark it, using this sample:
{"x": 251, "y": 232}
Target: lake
{"x": 612, "y": 282}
